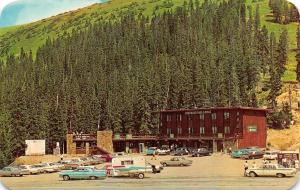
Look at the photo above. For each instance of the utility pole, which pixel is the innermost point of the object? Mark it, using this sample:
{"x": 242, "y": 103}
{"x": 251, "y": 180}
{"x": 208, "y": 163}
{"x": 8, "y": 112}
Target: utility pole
{"x": 290, "y": 96}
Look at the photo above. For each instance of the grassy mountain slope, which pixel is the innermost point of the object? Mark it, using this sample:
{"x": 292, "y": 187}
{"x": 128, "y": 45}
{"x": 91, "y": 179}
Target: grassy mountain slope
{"x": 33, "y": 35}
{"x": 266, "y": 18}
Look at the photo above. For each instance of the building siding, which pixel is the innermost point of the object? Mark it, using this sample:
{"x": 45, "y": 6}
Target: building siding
{"x": 251, "y": 118}
{"x": 238, "y": 121}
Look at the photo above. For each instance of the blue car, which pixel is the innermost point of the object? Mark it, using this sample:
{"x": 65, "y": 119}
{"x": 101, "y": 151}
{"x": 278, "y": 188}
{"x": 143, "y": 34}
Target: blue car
{"x": 151, "y": 150}
{"x": 239, "y": 153}
{"x": 83, "y": 173}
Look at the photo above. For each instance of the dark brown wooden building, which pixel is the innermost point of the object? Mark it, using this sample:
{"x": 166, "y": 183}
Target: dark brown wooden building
{"x": 217, "y": 128}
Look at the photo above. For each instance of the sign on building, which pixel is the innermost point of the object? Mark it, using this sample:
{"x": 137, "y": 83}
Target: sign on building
{"x": 35, "y": 147}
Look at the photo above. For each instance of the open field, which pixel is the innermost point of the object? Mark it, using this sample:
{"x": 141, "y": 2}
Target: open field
{"x": 213, "y": 172}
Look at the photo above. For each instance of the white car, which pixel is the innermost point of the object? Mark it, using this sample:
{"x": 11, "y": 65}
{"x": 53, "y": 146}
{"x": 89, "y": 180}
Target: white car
{"x": 46, "y": 167}
{"x": 29, "y": 169}
{"x": 59, "y": 166}
{"x": 271, "y": 170}
{"x": 270, "y": 155}
{"x": 163, "y": 151}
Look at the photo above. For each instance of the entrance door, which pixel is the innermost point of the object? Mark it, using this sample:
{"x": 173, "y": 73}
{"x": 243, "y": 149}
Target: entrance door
{"x": 141, "y": 147}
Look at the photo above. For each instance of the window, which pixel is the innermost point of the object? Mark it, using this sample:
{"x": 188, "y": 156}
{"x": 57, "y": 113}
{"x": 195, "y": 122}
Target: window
{"x": 237, "y": 116}
{"x": 227, "y": 130}
{"x": 214, "y": 129}
{"x": 226, "y": 115}
{"x": 179, "y": 117}
{"x": 179, "y": 130}
{"x": 168, "y": 117}
{"x": 202, "y": 130}
{"x": 191, "y": 130}
{"x": 252, "y": 128}
{"x": 201, "y": 116}
{"x": 190, "y": 121}
{"x": 169, "y": 131}
{"x": 214, "y": 116}
{"x": 127, "y": 162}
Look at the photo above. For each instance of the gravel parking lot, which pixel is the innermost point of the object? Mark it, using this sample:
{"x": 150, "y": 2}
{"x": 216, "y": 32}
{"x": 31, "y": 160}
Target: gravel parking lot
{"x": 212, "y": 172}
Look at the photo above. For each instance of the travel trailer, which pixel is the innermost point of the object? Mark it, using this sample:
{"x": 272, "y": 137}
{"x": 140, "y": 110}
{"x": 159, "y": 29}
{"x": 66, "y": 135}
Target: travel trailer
{"x": 134, "y": 166}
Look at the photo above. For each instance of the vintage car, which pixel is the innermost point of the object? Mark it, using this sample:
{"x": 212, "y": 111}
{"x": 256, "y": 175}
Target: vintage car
{"x": 271, "y": 170}
{"x": 164, "y": 150}
{"x": 83, "y": 173}
{"x": 74, "y": 164}
{"x": 201, "y": 152}
{"x": 29, "y": 169}
{"x": 151, "y": 151}
{"x": 11, "y": 171}
{"x": 46, "y": 167}
{"x": 239, "y": 153}
{"x": 253, "y": 154}
{"x": 58, "y": 165}
{"x": 176, "y": 161}
{"x": 180, "y": 152}
{"x": 270, "y": 155}
{"x": 116, "y": 154}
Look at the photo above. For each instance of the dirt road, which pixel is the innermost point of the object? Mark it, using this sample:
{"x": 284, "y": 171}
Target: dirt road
{"x": 207, "y": 173}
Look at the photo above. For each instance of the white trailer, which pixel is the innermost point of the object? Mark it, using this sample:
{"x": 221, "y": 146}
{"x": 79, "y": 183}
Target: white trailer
{"x": 133, "y": 166}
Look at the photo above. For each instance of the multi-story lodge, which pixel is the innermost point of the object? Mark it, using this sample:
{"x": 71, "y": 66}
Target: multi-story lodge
{"x": 216, "y": 128}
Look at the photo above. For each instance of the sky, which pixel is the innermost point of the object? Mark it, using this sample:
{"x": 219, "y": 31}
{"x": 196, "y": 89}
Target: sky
{"x": 15, "y": 12}
{"x": 3, "y": 3}
{"x": 296, "y": 3}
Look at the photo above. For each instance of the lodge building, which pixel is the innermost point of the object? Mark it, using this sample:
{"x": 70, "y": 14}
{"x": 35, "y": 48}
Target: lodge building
{"x": 216, "y": 128}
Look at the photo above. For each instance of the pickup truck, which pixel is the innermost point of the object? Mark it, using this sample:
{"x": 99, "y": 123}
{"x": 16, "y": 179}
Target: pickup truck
{"x": 271, "y": 170}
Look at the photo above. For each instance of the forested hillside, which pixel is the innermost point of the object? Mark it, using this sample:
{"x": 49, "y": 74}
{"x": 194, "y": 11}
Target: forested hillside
{"x": 115, "y": 74}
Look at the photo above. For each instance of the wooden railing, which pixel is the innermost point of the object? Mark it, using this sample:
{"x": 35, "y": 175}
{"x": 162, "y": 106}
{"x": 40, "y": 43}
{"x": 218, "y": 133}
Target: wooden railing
{"x": 85, "y": 137}
{"x": 135, "y": 137}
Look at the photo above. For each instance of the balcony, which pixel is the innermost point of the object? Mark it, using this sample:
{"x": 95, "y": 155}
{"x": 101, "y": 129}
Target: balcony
{"x": 195, "y": 137}
{"x": 130, "y": 137}
{"x": 85, "y": 137}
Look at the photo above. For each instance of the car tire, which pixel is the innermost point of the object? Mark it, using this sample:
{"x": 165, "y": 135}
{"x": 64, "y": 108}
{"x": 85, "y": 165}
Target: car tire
{"x": 280, "y": 175}
{"x": 252, "y": 174}
{"x": 181, "y": 164}
{"x": 66, "y": 177}
{"x": 141, "y": 176}
{"x": 165, "y": 165}
{"x": 93, "y": 178}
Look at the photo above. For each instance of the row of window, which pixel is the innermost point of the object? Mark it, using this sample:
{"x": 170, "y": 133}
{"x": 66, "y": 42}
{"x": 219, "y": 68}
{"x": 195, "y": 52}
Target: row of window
{"x": 202, "y": 130}
{"x": 201, "y": 116}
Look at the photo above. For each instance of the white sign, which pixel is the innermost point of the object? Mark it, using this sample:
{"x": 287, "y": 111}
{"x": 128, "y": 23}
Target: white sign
{"x": 35, "y": 147}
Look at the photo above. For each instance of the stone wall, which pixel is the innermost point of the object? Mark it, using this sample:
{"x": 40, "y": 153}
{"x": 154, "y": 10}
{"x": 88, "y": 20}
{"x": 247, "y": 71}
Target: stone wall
{"x": 105, "y": 141}
{"x": 71, "y": 146}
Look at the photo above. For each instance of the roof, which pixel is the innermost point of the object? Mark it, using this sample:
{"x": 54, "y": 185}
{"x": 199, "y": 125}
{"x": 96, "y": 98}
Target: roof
{"x": 215, "y": 108}
{"x": 289, "y": 152}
